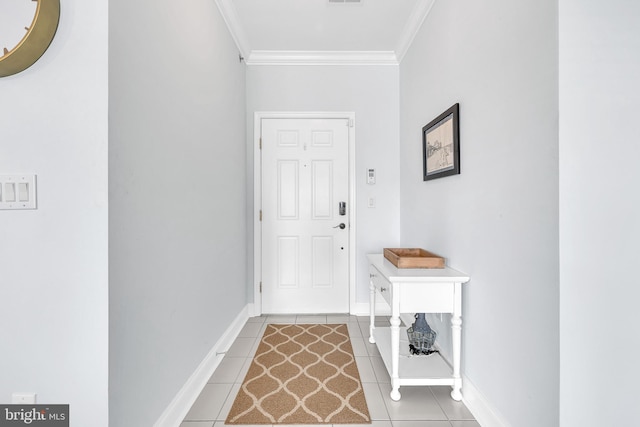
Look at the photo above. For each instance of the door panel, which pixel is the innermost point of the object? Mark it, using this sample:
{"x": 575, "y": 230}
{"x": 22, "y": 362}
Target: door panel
{"x": 305, "y": 256}
{"x": 322, "y": 256}
{"x": 322, "y": 180}
{"x": 288, "y": 262}
{"x": 288, "y": 189}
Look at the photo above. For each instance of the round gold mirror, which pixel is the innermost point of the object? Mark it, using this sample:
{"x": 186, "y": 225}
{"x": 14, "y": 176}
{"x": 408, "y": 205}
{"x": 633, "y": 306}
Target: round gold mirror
{"x": 26, "y": 30}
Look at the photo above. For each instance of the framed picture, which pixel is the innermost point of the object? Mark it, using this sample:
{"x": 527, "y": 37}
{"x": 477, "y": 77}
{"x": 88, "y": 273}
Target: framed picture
{"x": 441, "y": 145}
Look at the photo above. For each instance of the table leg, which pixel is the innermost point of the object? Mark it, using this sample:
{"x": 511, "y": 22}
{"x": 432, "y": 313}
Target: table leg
{"x": 395, "y": 346}
{"x": 456, "y": 336}
{"x": 372, "y": 309}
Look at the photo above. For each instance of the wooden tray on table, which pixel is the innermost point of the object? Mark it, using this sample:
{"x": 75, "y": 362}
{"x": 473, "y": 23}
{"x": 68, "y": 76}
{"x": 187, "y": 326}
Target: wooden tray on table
{"x": 413, "y": 258}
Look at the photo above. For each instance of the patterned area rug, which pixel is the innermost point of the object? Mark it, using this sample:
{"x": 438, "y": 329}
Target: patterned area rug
{"x": 302, "y": 374}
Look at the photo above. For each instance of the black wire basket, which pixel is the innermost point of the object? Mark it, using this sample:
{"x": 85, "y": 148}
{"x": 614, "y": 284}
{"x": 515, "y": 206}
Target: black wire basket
{"x": 421, "y": 338}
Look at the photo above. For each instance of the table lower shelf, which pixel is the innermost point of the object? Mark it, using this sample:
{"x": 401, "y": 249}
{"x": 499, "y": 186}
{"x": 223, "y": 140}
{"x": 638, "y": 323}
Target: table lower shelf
{"x": 413, "y": 370}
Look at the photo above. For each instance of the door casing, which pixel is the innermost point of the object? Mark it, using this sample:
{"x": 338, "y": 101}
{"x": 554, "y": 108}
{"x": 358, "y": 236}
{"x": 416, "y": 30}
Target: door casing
{"x": 257, "y": 198}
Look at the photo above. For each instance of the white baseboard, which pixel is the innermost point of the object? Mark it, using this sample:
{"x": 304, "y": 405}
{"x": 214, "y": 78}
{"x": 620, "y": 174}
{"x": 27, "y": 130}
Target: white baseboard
{"x": 362, "y": 308}
{"x": 182, "y": 402}
{"x": 251, "y": 310}
{"x": 482, "y": 410}
{"x": 484, "y": 413}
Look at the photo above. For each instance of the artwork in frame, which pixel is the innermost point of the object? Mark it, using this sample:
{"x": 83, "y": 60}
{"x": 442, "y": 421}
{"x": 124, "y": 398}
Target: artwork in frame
{"x": 441, "y": 145}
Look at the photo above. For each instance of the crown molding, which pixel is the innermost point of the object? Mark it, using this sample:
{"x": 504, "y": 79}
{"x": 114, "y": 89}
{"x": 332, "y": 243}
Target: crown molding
{"x": 417, "y": 17}
{"x": 230, "y": 16}
{"x": 270, "y": 57}
{"x": 282, "y": 57}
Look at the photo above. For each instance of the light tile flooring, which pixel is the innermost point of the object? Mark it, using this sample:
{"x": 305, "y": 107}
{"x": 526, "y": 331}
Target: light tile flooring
{"x": 418, "y": 407}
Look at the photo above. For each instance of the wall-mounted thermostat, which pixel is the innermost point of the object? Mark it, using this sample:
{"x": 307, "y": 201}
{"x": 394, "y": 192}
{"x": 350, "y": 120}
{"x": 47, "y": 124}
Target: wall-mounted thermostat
{"x": 371, "y": 176}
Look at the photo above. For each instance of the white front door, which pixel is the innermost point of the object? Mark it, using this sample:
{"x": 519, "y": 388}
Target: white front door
{"x": 305, "y": 249}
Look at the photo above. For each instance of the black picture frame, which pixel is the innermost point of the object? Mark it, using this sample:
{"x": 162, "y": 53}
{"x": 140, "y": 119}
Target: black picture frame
{"x": 441, "y": 145}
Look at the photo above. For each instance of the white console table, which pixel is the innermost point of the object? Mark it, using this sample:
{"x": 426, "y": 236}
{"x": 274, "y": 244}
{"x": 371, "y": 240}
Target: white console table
{"x": 416, "y": 291}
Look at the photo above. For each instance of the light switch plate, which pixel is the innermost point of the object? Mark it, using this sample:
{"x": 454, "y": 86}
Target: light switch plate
{"x": 17, "y": 192}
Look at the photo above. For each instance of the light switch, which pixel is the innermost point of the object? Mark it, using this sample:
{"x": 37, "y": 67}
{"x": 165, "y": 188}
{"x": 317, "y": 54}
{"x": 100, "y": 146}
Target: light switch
{"x": 9, "y": 192}
{"x": 17, "y": 192}
{"x": 23, "y": 191}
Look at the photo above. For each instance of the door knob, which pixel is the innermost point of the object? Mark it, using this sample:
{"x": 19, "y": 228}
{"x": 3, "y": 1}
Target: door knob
{"x": 341, "y": 226}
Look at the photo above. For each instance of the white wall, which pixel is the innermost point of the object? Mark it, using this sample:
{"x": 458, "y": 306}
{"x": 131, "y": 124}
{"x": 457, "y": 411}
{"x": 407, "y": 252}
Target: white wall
{"x": 599, "y": 212}
{"x": 54, "y": 315}
{"x": 498, "y": 220}
{"x": 177, "y": 198}
{"x": 372, "y": 93}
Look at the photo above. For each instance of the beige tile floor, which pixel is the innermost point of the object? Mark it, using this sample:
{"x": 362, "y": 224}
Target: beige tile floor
{"x": 419, "y": 406}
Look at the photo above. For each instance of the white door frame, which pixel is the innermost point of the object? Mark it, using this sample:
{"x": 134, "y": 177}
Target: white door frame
{"x": 257, "y": 197}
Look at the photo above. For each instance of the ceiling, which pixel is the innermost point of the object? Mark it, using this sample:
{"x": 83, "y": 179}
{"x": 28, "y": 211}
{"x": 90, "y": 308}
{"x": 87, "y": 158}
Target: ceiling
{"x": 323, "y": 31}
